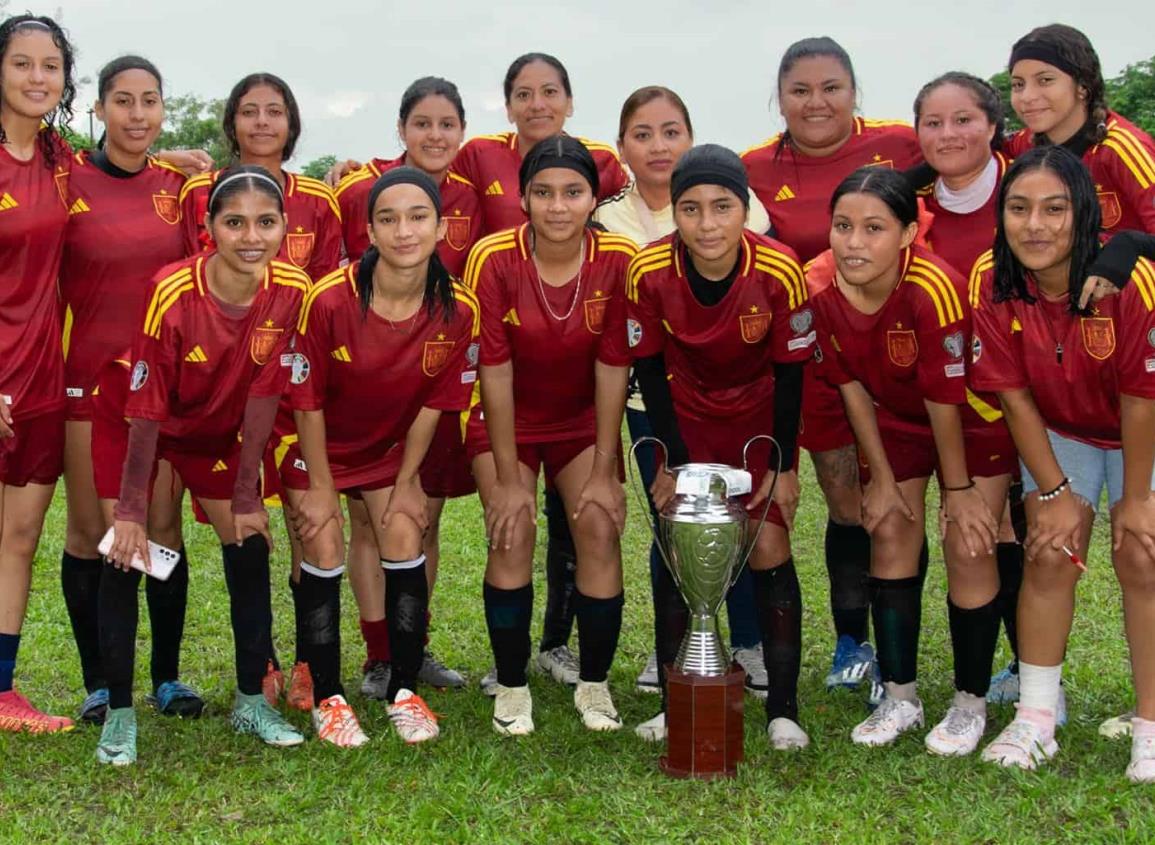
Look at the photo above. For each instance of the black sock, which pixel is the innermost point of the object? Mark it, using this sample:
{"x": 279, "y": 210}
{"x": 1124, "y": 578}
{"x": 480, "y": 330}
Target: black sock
{"x": 779, "y": 599}
{"x": 923, "y": 561}
{"x": 671, "y": 618}
{"x": 80, "y": 582}
{"x": 848, "y": 565}
{"x": 167, "y": 601}
{"x": 299, "y": 612}
{"x": 1010, "y": 560}
{"x": 974, "y": 633}
{"x": 406, "y": 611}
{"x": 507, "y": 615}
{"x": 317, "y": 606}
{"x": 599, "y": 623}
{"x": 897, "y": 609}
{"x": 560, "y": 571}
{"x": 119, "y": 604}
{"x": 250, "y": 609}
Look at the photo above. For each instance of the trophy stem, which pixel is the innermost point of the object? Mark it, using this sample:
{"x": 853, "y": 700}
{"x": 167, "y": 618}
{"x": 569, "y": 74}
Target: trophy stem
{"x": 702, "y": 651}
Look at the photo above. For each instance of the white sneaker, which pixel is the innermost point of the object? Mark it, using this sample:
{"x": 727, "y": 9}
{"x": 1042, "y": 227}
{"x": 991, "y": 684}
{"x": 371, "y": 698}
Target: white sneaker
{"x": 336, "y": 723}
{"x": 512, "y": 711}
{"x": 592, "y": 699}
{"x": 653, "y": 730}
{"x": 648, "y": 679}
{"x": 1025, "y": 742}
{"x": 751, "y": 660}
{"x": 1117, "y": 727}
{"x": 412, "y": 718}
{"x": 894, "y": 716}
{"x": 1141, "y": 769}
{"x": 786, "y": 735}
{"x": 958, "y": 734}
{"x": 560, "y": 664}
{"x": 488, "y": 683}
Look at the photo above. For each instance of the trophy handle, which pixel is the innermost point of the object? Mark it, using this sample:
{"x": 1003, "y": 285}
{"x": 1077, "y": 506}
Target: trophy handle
{"x": 769, "y": 498}
{"x": 644, "y": 499}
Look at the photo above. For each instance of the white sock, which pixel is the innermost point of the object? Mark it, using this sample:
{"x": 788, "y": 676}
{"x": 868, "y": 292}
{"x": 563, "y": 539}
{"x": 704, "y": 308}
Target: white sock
{"x": 902, "y": 692}
{"x": 1039, "y": 686}
{"x": 974, "y": 703}
{"x": 1142, "y": 727}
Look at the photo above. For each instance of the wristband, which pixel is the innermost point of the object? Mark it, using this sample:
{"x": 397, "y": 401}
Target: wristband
{"x": 603, "y": 453}
{"x": 968, "y": 486}
{"x": 1065, "y": 484}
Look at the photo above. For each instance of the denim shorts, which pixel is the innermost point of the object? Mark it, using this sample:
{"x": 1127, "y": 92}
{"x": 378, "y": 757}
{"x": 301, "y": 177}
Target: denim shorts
{"x": 1088, "y": 467}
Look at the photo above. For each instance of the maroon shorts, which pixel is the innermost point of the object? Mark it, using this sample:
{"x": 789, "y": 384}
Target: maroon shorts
{"x": 445, "y": 472}
{"x": 825, "y": 426}
{"x": 78, "y": 404}
{"x": 990, "y": 452}
{"x": 294, "y": 473}
{"x": 554, "y": 456}
{"x": 35, "y": 455}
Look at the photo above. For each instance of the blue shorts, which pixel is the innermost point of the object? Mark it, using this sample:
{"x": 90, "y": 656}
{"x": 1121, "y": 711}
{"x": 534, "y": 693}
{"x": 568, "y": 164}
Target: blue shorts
{"x": 1089, "y": 468}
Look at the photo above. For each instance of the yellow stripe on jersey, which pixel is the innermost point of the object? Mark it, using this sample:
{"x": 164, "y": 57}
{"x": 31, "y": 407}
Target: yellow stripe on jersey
{"x": 1143, "y": 277}
{"x": 883, "y": 123}
{"x": 788, "y": 271}
{"x": 983, "y": 263}
{"x": 337, "y": 277}
{"x": 167, "y": 291}
{"x": 984, "y": 409}
{"x": 201, "y": 180}
{"x": 1134, "y": 155}
{"x": 314, "y": 188}
{"x": 164, "y": 165}
{"x": 341, "y": 353}
{"x": 481, "y": 251}
{"x": 598, "y": 145}
{"x": 951, "y": 305}
{"x": 669, "y": 329}
{"x": 352, "y": 178}
{"x": 654, "y": 258}
{"x": 503, "y": 137}
{"x": 66, "y": 335}
{"x": 769, "y": 142}
{"x": 468, "y": 298}
{"x": 454, "y": 177}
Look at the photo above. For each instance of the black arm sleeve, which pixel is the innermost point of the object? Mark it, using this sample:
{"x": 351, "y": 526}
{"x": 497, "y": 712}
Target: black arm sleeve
{"x": 787, "y": 411}
{"x": 1118, "y": 256}
{"x": 655, "y": 387}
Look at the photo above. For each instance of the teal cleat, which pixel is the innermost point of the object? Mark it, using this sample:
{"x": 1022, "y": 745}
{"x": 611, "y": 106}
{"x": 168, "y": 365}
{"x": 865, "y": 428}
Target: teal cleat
{"x": 253, "y": 715}
{"x": 118, "y": 737}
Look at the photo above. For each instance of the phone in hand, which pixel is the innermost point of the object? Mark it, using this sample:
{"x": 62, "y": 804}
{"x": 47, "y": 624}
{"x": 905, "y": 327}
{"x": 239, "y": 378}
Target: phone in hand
{"x": 162, "y": 559}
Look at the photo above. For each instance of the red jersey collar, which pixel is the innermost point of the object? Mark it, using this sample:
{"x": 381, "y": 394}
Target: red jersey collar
{"x": 202, "y": 280}
{"x": 523, "y": 244}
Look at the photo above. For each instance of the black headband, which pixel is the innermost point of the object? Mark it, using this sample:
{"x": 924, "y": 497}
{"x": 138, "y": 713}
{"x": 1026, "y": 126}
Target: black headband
{"x": 710, "y": 164}
{"x": 405, "y": 175}
{"x": 1040, "y": 51}
{"x": 559, "y": 151}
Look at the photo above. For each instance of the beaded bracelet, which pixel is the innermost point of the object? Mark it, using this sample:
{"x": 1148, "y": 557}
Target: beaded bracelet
{"x": 1054, "y": 494}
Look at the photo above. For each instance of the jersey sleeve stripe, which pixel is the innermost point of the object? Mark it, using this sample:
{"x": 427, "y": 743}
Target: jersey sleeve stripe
{"x": 453, "y": 177}
{"x": 1129, "y": 162}
{"x": 769, "y": 142}
{"x": 946, "y": 289}
{"x": 642, "y": 264}
{"x": 1144, "y": 278}
{"x": 351, "y": 179}
{"x": 481, "y": 252}
{"x": 152, "y": 328}
{"x": 161, "y": 291}
{"x": 983, "y": 263}
{"x": 984, "y": 409}
{"x": 467, "y": 297}
{"x": 934, "y": 297}
{"x": 792, "y": 293}
{"x": 201, "y": 180}
{"x": 1139, "y": 152}
{"x": 793, "y": 277}
{"x": 334, "y": 279}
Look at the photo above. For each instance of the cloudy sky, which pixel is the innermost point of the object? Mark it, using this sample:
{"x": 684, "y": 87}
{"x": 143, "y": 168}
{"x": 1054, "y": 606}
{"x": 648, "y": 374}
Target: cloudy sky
{"x": 349, "y": 60}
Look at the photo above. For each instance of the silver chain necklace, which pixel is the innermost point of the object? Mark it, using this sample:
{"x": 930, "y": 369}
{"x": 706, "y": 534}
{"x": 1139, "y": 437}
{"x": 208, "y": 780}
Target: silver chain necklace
{"x": 577, "y": 288}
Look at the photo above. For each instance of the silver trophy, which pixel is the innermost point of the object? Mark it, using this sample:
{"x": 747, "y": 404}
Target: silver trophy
{"x": 702, "y": 536}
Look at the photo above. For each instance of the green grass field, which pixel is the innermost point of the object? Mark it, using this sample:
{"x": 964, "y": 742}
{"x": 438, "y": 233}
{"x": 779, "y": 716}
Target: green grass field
{"x": 198, "y": 782}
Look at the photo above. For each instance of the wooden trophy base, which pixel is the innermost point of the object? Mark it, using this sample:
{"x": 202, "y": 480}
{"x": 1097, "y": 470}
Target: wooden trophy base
{"x": 704, "y": 724}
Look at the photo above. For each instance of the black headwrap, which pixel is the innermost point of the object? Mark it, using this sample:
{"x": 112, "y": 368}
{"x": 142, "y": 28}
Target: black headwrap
{"x": 1040, "y": 52}
{"x": 710, "y": 164}
{"x": 559, "y": 151}
{"x": 405, "y": 176}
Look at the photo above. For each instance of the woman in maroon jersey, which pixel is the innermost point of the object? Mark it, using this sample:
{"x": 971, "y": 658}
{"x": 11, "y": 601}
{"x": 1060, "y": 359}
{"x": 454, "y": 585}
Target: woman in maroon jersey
{"x": 1078, "y": 389}
{"x": 118, "y": 194}
{"x": 210, "y": 366}
{"x": 37, "y": 88}
{"x": 553, "y": 372}
{"x": 794, "y": 174}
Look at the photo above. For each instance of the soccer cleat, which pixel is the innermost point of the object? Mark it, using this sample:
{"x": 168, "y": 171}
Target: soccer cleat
{"x": 375, "y": 683}
{"x": 892, "y": 718}
{"x": 412, "y": 718}
{"x": 252, "y": 714}
{"x": 1004, "y": 686}
{"x": 559, "y": 663}
{"x": 17, "y": 714}
{"x": 118, "y": 737}
{"x": 512, "y": 710}
{"x": 336, "y": 723}
{"x": 877, "y": 690}
{"x": 652, "y": 730}
{"x": 300, "y": 695}
{"x": 786, "y": 735}
{"x": 1117, "y": 727}
{"x": 1141, "y": 769}
{"x": 172, "y": 698}
{"x": 592, "y": 700}
{"x": 752, "y": 662}
{"x": 488, "y": 683}
{"x": 436, "y": 674}
{"x": 273, "y": 684}
{"x": 852, "y": 662}
{"x": 648, "y": 679}
{"x": 958, "y": 734}
{"x": 1061, "y": 710}
{"x": 94, "y": 707}
{"x": 1025, "y": 742}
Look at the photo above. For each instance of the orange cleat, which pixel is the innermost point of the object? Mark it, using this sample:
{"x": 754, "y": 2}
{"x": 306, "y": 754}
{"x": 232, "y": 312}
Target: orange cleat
{"x": 336, "y": 723}
{"x": 17, "y": 714}
{"x": 300, "y": 695}
{"x": 273, "y": 684}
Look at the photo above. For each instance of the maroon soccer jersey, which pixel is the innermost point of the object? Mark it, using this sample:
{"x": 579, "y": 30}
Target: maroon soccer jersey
{"x": 460, "y": 207}
{"x": 372, "y": 376}
{"x": 33, "y": 217}
{"x": 313, "y": 235}
{"x": 103, "y": 282}
{"x": 796, "y": 188}
{"x": 720, "y": 358}
{"x": 553, "y": 335}
{"x": 960, "y": 239}
{"x": 1074, "y": 366}
{"x": 1123, "y": 167}
{"x": 196, "y": 365}
{"x": 492, "y": 162}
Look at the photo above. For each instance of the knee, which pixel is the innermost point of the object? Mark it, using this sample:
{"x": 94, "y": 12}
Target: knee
{"x": 21, "y": 534}
{"x": 1050, "y": 571}
{"x": 403, "y": 537}
{"x": 326, "y": 551}
{"x": 598, "y": 532}
{"x": 1134, "y": 567}
{"x": 770, "y": 550}
{"x": 844, "y": 506}
{"x": 82, "y": 538}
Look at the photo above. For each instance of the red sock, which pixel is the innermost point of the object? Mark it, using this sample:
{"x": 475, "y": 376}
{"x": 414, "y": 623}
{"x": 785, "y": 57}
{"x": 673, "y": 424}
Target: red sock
{"x": 376, "y": 636}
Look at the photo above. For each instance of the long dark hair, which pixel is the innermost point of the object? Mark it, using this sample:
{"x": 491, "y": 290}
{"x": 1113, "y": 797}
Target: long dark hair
{"x": 62, "y": 114}
{"x": 431, "y": 86}
{"x": 808, "y": 48}
{"x": 889, "y": 185}
{"x": 1010, "y": 276}
{"x": 115, "y": 68}
{"x": 645, "y": 96}
{"x": 1076, "y": 49}
{"x": 229, "y": 120}
{"x": 985, "y": 96}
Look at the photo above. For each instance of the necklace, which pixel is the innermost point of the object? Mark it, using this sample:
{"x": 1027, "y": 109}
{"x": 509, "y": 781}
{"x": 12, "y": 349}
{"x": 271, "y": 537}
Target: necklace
{"x": 577, "y": 288}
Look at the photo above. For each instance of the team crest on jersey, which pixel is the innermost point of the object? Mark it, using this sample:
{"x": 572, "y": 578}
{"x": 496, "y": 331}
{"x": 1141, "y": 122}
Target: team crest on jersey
{"x": 754, "y": 326}
{"x": 879, "y": 161}
{"x": 457, "y": 232}
{"x": 473, "y": 354}
{"x": 299, "y": 246}
{"x": 902, "y": 347}
{"x": 139, "y": 376}
{"x": 167, "y": 208}
{"x": 1110, "y": 208}
{"x": 1151, "y": 338}
{"x": 976, "y": 350}
{"x": 817, "y": 354}
{"x": 595, "y": 311}
{"x": 300, "y": 369}
{"x": 435, "y": 355}
{"x": 953, "y": 345}
{"x": 1098, "y": 336}
{"x": 801, "y": 321}
{"x": 264, "y": 342}
{"x": 633, "y": 332}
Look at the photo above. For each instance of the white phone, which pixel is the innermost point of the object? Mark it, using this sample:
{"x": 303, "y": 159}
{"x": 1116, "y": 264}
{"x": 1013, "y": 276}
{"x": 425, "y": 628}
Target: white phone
{"x": 162, "y": 559}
